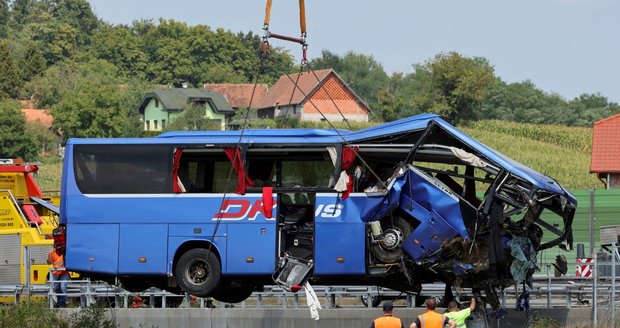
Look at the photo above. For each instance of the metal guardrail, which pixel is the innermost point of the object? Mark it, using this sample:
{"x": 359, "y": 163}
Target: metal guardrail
{"x": 547, "y": 292}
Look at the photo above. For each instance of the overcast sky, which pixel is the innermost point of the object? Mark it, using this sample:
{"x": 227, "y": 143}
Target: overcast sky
{"x": 565, "y": 46}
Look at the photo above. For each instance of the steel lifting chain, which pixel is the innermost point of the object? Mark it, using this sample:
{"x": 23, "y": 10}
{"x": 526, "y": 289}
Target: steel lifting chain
{"x": 302, "y": 26}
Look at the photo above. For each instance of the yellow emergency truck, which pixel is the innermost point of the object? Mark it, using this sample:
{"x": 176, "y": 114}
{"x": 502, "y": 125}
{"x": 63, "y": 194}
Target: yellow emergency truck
{"x": 27, "y": 219}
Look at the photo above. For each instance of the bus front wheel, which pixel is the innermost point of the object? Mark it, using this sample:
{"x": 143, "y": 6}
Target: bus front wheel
{"x": 198, "y": 272}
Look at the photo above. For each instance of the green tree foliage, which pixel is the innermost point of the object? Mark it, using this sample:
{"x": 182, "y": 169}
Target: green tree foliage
{"x": 122, "y": 47}
{"x": 21, "y": 10}
{"x": 77, "y": 14}
{"x": 43, "y": 137}
{"x": 10, "y": 80}
{"x": 194, "y": 119}
{"x": 31, "y": 63}
{"x": 524, "y": 102}
{"x": 14, "y": 141}
{"x": 97, "y": 104}
{"x": 453, "y": 85}
{"x": 4, "y": 17}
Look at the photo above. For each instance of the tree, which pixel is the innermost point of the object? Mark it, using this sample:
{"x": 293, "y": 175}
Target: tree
{"x": 193, "y": 119}
{"x": 32, "y": 62}
{"x": 95, "y": 105}
{"x": 10, "y": 80}
{"x": 121, "y": 47}
{"x": 20, "y": 10}
{"x": 77, "y": 14}
{"x": 14, "y": 140}
{"x": 454, "y": 85}
{"x": 4, "y": 17}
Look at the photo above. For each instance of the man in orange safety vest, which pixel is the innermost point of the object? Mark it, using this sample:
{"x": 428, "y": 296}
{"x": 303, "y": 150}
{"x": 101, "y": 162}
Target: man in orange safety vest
{"x": 432, "y": 319}
{"x": 56, "y": 257}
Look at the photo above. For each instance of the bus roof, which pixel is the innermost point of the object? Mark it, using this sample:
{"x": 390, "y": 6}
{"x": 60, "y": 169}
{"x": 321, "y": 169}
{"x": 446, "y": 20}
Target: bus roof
{"x": 340, "y": 136}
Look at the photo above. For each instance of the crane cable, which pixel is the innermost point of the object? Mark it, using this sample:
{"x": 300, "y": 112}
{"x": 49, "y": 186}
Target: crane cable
{"x": 304, "y": 62}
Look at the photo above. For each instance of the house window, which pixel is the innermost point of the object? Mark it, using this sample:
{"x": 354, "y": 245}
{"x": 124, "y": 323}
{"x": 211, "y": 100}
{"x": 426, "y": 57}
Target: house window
{"x": 155, "y": 124}
{"x": 148, "y": 125}
{"x": 156, "y": 102}
{"x": 163, "y": 124}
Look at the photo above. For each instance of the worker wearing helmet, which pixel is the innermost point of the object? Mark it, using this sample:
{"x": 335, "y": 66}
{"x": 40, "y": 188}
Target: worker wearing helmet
{"x": 56, "y": 257}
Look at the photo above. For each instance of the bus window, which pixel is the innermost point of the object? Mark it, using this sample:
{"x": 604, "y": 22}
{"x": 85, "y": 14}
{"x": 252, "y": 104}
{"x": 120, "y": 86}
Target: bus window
{"x": 123, "y": 169}
{"x": 206, "y": 171}
{"x": 291, "y": 168}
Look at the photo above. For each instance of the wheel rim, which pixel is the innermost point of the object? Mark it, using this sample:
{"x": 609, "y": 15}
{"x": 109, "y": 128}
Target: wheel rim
{"x": 197, "y": 272}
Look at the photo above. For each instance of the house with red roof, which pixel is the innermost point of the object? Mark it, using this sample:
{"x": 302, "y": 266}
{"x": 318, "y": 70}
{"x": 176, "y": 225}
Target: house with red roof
{"x": 240, "y": 95}
{"x": 319, "y": 95}
{"x": 44, "y": 120}
{"x": 605, "y": 160}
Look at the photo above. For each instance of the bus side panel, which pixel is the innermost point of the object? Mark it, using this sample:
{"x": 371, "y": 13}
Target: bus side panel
{"x": 251, "y": 248}
{"x": 143, "y": 248}
{"x": 339, "y": 234}
{"x": 219, "y": 247}
{"x": 92, "y": 247}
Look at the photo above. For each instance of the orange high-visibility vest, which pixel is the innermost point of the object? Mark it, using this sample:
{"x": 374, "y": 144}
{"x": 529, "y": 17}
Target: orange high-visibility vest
{"x": 58, "y": 262}
{"x": 432, "y": 319}
{"x": 388, "y": 321}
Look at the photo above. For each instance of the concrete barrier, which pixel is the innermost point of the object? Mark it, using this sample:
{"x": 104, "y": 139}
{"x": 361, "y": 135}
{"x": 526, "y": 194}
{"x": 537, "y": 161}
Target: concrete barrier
{"x": 300, "y": 318}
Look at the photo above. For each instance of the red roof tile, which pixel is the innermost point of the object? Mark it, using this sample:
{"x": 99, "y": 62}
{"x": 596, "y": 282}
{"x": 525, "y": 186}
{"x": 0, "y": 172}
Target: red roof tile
{"x": 41, "y": 115}
{"x": 606, "y": 146}
{"x": 239, "y": 95}
{"x": 280, "y": 93}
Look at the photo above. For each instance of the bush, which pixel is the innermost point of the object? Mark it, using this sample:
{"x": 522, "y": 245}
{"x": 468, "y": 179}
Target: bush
{"x": 30, "y": 315}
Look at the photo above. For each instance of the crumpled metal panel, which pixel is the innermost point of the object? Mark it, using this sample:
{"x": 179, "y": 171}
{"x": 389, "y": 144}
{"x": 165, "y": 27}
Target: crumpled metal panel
{"x": 430, "y": 202}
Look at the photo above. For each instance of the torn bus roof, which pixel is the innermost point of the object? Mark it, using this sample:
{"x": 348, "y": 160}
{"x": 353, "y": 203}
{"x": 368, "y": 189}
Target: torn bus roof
{"x": 406, "y": 128}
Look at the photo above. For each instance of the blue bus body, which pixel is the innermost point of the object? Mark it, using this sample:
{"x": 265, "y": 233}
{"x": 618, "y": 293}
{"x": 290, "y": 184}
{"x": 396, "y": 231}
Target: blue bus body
{"x": 125, "y": 219}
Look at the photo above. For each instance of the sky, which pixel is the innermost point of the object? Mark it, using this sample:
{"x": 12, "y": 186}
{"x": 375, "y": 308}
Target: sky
{"x": 567, "y": 47}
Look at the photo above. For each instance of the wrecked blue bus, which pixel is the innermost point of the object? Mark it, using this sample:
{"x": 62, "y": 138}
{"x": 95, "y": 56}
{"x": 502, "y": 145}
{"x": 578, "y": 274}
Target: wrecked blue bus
{"x": 223, "y": 213}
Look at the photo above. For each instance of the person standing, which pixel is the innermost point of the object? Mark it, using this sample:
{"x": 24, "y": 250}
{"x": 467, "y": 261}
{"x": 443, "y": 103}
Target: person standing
{"x": 432, "y": 319}
{"x": 460, "y": 316}
{"x": 387, "y": 320}
{"x": 56, "y": 257}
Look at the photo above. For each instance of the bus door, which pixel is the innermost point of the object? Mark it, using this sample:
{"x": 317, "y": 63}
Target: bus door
{"x": 295, "y": 237}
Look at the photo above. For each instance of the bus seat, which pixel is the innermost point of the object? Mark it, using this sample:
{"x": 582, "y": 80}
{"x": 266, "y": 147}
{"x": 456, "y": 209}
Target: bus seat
{"x": 31, "y": 214}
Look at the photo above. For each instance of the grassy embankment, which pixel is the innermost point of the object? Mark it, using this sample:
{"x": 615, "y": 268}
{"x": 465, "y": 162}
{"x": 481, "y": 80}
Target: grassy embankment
{"x": 557, "y": 151}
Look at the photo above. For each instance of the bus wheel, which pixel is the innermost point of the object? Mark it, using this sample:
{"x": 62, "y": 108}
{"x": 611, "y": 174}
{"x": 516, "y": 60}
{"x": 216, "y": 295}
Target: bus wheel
{"x": 376, "y": 300}
{"x": 395, "y": 231}
{"x": 233, "y": 294}
{"x": 198, "y": 272}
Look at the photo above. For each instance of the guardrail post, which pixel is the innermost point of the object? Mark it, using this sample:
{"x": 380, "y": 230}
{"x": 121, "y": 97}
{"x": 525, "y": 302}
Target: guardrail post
{"x": 50, "y": 292}
{"x": 295, "y": 300}
{"x": 612, "y": 300}
{"x": 409, "y": 301}
{"x": 332, "y": 300}
{"x": 548, "y": 286}
{"x": 202, "y": 302}
{"x": 594, "y": 290}
{"x": 188, "y": 301}
{"x": 152, "y": 300}
{"x": 259, "y": 300}
{"x": 568, "y": 297}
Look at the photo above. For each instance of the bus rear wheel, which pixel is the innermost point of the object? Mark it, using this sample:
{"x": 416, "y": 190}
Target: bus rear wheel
{"x": 198, "y": 272}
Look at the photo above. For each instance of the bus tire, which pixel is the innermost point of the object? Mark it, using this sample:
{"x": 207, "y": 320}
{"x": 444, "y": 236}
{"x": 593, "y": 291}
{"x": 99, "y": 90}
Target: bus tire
{"x": 393, "y": 226}
{"x": 198, "y": 272}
